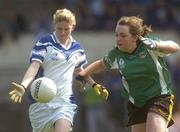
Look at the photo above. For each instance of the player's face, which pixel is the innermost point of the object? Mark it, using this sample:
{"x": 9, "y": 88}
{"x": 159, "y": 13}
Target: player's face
{"x": 125, "y": 41}
{"x": 63, "y": 30}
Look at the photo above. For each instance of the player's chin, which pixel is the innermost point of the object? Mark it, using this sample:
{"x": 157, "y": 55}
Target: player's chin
{"x": 122, "y": 48}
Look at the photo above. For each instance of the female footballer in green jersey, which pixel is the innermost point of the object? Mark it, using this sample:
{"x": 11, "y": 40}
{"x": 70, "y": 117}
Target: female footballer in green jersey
{"x": 147, "y": 84}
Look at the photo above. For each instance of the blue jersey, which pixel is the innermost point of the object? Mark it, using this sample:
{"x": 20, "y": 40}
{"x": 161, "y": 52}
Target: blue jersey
{"x": 58, "y": 62}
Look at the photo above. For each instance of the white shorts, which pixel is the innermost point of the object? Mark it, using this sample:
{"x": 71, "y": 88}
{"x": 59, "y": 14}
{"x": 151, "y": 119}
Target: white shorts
{"x": 44, "y": 116}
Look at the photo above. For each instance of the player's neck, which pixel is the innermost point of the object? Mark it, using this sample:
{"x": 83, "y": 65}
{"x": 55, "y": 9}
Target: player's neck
{"x": 65, "y": 43}
{"x": 63, "y": 40}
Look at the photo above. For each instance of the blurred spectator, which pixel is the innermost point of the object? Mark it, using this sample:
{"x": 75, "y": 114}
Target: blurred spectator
{"x": 91, "y": 14}
{"x": 97, "y": 10}
{"x": 21, "y": 23}
{"x": 158, "y": 15}
{"x": 40, "y": 24}
{"x": 13, "y": 22}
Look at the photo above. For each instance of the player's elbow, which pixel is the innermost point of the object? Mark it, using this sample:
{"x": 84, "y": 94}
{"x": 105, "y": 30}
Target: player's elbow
{"x": 172, "y": 46}
{"x": 175, "y": 46}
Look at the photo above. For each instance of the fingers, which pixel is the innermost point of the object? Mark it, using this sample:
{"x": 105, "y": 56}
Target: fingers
{"x": 20, "y": 99}
{"x": 100, "y": 90}
{"x": 15, "y": 98}
{"x": 15, "y": 84}
{"x": 17, "y": 93}
{"x": 105, "y": 94}
{"x": 151, "y": 44}
{"x": 12, "y": 92}
{"x": 97, "y": 90}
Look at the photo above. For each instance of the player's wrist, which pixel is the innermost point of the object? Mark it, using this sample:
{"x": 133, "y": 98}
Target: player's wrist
{"x": 23, "y": 86}
{"x": 155, "y": 45}
{"x": 94, "y": 84}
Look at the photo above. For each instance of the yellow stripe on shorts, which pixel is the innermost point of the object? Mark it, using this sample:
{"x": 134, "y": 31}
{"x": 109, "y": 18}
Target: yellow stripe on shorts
{"x": 170, "y": 110}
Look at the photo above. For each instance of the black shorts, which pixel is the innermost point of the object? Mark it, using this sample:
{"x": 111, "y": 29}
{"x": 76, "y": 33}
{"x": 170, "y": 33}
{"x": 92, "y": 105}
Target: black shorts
{"x": 162, "y": 105}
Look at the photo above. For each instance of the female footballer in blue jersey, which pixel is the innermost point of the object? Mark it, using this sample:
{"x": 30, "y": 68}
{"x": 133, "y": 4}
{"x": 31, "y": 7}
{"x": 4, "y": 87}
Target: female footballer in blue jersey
{"x": 139, "y": 58}
{"x": 57, "y": 56}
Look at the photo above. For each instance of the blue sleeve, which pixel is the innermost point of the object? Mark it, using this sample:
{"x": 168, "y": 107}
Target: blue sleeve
{"x": 39, "y": 51}
{"x": 81, "y": 60}
{"x": 80, "y": 55}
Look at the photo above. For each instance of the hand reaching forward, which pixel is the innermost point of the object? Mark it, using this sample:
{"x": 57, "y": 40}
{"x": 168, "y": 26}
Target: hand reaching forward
{"x": 17, "y": 93}
{"x": 100, "y": 90}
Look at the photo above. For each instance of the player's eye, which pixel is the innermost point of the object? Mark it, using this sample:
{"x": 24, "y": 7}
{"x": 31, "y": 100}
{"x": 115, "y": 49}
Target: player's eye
{"x": 123, "y": 36}
{"x": 66, "y": 29}
{"x": 60, "y": 29}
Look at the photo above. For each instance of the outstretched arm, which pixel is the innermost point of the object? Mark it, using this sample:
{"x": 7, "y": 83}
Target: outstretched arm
{"x": 30, "y": 74}
{"x": 93, "y": 68}
{"x": 84, "y": 76}
{"x": 19, "y": 89}
{"x": 167, "y": 47}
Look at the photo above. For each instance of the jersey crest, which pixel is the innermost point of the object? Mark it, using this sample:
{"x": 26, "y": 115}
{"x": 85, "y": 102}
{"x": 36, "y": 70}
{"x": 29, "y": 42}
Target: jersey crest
{"x": 57, "y": 56}
{"x": 121, "y": 63}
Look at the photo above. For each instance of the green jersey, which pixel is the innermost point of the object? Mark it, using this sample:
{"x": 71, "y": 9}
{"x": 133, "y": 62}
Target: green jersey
{"x": 144, "y": 73}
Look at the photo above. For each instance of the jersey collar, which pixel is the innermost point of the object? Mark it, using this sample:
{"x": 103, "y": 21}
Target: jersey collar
{"x": 56, "y": 40}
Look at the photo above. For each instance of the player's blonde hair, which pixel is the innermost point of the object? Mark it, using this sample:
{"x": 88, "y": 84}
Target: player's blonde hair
{"x": 136, "y": 25}
{"x": 64, "y": 15}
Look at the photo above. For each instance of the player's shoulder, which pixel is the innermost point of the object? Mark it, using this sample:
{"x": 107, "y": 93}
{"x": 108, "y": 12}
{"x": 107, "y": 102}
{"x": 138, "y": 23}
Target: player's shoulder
{"x": 45, "y": 41}
{"x": 113, "y": 52}
{"x": 75, "y": 41}
{"x": 46, "y": 38}
{"x": 76, "y": 44}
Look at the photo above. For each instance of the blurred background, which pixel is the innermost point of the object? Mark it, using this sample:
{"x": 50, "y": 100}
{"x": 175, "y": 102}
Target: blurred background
{"x": 22, "y": 22}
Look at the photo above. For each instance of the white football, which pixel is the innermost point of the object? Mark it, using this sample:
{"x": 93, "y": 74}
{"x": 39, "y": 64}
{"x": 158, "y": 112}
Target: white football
{"x": 43, "y": 90}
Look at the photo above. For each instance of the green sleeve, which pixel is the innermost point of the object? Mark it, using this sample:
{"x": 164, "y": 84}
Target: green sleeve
{"x": 109, "y": 59}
